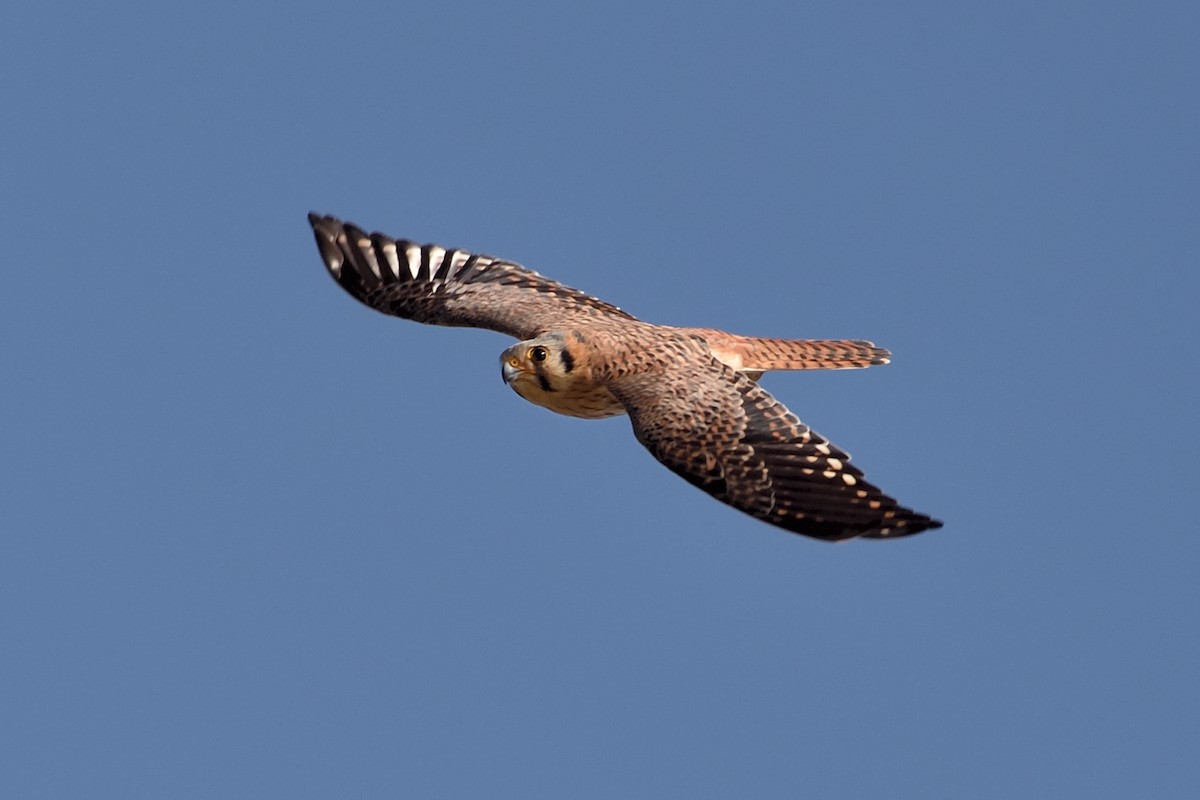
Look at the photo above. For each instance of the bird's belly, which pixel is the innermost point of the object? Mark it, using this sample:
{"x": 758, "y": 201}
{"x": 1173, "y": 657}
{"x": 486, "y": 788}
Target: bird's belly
{"x": 593, "y": 402}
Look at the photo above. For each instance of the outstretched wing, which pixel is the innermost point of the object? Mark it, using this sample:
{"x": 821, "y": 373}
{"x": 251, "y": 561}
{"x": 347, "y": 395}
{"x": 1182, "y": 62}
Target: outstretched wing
{"x": 431, "y": 284}
{"x": 722, "y": 432}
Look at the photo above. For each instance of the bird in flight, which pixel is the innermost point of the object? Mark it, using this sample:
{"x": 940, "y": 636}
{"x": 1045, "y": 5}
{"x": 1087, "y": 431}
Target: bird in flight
{"x": 692, "y": 394}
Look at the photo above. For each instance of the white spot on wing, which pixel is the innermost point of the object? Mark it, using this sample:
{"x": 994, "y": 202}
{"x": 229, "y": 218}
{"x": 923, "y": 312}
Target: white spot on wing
{"x": 412, "y": 254}
{"x": 457, "y": 259}
{"x": 389, "y": 252}
{"x": 436, "y": 254}
{"x": 368, "y": 252}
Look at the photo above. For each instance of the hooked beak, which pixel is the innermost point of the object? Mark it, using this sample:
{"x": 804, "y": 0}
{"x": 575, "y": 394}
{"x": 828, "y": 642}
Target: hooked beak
{"x": 508, "y": 372}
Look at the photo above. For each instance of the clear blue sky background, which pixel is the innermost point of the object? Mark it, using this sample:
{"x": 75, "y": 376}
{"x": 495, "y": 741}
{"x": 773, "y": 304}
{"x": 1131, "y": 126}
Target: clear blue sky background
{"x": 258, "y": 541}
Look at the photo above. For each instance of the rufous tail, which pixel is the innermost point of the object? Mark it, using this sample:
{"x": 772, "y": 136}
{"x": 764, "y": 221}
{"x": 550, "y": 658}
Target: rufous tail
{"x": 754, "y": 354}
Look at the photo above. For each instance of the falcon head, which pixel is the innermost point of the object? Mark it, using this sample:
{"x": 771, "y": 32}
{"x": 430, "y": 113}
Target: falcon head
{"x": 551, "y": 371}
{"x": 538, "y": 367}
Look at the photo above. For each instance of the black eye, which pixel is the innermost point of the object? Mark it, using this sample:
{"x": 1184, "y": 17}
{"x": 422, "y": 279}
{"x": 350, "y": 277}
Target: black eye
{"x": 538, "y": 353}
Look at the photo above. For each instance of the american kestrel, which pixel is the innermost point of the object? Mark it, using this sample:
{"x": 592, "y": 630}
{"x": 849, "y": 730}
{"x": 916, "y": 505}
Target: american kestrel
{"x": 692, "y": 394}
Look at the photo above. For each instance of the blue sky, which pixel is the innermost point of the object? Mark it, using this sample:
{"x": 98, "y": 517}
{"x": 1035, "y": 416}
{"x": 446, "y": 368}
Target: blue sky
{"x": 258, "y": 541}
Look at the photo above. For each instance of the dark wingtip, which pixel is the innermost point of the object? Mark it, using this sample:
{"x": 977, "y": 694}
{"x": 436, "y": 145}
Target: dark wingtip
{"x": 323, "y": 223}
{"x": 326, "y": 230}
{"x": 917, "y": 523}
